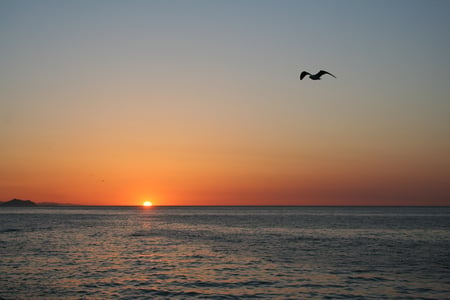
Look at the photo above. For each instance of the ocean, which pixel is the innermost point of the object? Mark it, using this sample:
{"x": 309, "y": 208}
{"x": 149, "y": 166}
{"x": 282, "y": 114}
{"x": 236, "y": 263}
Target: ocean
{"x": 225, "y": 253}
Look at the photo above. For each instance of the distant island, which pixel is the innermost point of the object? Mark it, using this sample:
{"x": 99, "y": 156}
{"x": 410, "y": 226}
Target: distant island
{"x": 28, "y": 203}
{"x": 18, "y": 203}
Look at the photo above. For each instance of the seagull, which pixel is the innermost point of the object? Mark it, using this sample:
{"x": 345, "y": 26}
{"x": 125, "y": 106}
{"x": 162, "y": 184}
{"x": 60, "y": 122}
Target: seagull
{"x": 315, "y": 76}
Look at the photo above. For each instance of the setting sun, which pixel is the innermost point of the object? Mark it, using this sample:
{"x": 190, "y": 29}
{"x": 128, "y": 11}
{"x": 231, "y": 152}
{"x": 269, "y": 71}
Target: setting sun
{"x": 147, "y": 203}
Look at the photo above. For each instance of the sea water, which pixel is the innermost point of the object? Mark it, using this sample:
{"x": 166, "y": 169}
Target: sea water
{"x": 225, "y": 253}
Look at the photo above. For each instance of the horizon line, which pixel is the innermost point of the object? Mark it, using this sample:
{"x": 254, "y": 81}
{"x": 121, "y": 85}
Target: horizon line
{"x": 38, "y": 204}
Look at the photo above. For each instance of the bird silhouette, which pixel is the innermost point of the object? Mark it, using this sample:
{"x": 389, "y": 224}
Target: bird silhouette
{"x": 315, "y": 76}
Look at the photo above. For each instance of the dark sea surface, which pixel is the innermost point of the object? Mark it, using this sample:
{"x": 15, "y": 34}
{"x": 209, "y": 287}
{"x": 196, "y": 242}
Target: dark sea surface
{"x": 225, "y": 253}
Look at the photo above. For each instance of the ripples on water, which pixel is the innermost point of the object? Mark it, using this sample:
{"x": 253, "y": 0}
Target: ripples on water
{"x": 225, "y": 253}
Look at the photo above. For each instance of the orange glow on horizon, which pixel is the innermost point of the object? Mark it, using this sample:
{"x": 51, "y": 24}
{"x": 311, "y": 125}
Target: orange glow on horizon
{"x": 147, "y": 204}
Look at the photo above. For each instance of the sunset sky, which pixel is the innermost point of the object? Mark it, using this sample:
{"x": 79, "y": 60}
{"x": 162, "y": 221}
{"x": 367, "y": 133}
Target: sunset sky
{"x": 200, "y": 102}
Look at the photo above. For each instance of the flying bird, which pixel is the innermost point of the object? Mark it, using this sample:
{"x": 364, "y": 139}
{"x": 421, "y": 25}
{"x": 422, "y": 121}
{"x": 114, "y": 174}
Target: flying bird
{"x": 315, "y": 76}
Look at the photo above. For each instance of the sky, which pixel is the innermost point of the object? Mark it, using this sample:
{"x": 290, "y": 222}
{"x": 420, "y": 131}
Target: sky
{"x": 200, "y": 102}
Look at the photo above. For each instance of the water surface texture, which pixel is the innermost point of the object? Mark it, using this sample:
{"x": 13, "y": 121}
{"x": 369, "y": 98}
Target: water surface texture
{"x": 225, "y": 253}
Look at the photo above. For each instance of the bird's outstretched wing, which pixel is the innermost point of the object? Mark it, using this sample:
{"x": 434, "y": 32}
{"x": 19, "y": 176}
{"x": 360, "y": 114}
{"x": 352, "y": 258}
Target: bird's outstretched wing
{"x": 322, "y": 72}
{"x": 303, "y": 74}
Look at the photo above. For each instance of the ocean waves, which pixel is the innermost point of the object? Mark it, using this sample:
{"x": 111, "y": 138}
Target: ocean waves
{"x": 224, "y": 253}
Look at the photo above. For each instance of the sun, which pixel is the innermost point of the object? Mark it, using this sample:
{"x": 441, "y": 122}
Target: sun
{"x": 147, "y": 204}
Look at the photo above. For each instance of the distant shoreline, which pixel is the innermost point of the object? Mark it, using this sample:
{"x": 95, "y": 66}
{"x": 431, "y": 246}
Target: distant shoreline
{"x": 28, "y": 203}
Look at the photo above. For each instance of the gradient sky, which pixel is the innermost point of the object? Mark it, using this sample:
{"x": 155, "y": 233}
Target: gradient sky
{"x": 199, "y": 102}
